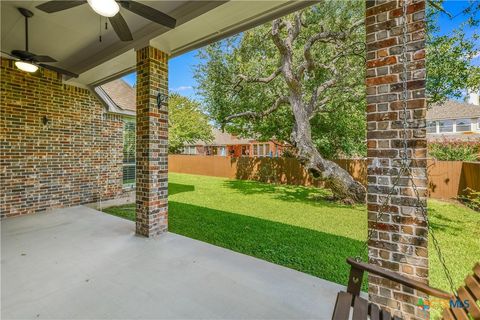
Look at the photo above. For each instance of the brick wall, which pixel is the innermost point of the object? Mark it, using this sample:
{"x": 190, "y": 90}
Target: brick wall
{"x": 74, "y": 159}
{"x": 152, "y": 143}
{"x": 400, "y": 239}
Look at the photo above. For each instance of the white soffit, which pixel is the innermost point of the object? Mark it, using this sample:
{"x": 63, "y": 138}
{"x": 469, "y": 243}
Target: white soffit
{"x": 71, "y": 36}
{"x": 220, "y": 22}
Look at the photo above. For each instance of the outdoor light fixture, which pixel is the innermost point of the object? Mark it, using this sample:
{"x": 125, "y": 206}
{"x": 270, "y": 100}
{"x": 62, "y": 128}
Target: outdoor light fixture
{"x": 106, "y": 8}
{"x": 26, "y": 66}
{"x": 161, "y": 99}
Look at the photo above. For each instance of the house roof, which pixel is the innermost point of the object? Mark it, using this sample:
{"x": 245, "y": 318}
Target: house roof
{"x": 453, "y": 110}
{"x": 223, "y": 138}
{"x": 121, "y": 93}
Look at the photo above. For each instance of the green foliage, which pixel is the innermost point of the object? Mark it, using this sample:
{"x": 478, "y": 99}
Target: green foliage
{"x": 449, "y": 61}
{"x": 337, "y": 131}
{"x": 454, "y": 150}
{"x": 186, "y": 123}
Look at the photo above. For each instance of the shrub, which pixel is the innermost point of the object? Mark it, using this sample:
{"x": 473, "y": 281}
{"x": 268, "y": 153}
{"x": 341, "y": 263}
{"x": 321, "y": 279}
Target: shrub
{"x": 471, "y": 199}
{"x": 455, "y": 150}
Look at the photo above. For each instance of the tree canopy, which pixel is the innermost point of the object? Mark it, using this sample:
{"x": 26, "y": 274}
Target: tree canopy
{"x": 186, "y": 122}
{"x": 449, "y": 55}
{"x": 339, "y": 130}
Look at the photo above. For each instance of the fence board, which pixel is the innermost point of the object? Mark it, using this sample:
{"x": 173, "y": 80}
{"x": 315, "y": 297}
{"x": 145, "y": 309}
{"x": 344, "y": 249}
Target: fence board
{"x": 447, "y": 179}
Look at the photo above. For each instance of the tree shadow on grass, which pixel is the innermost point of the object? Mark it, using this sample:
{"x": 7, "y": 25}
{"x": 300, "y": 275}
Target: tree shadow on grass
{"x": 317, "y": 253}
{"x": 440, "y": 222}
{"x": 127, "y": 211}
{"x": 309, "y": 195}
{"x": 174, "y": 188}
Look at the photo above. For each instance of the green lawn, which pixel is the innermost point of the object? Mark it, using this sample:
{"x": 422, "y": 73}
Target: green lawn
{"x": 295, "y": 227}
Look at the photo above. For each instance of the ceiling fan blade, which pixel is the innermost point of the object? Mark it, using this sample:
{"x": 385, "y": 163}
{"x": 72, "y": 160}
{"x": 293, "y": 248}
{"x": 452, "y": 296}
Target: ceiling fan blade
{"x": 9, "y": 54}
{"x": 149, "y": 13}
{"x": 59, "y": 70}
{"x": 121, "y": 28}
{"x": 37, "y": 58}
{"x": 59, "y": 5}
{"x": 25, "y": 55}
{"x": 22, "y": 55}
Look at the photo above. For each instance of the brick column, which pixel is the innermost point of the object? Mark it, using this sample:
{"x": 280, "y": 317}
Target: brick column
{"x": 152, "y": 143}
{"x": 400, "y": 239}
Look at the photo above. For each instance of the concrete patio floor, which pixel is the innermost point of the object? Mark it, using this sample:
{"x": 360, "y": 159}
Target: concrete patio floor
{"x": 81, "y": 263}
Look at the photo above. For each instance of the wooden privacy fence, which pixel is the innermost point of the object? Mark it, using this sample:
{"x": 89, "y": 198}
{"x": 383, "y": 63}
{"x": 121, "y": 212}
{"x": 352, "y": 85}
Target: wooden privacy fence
{"x": 447, "y": 179}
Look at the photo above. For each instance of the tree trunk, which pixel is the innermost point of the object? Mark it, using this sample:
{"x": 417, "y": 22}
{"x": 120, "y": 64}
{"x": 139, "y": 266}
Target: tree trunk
{"x": 338, "y": 180}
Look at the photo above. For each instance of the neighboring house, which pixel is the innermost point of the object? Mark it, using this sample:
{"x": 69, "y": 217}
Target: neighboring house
{"x": 454, "y": 120}
{"x": 225, "y": 144}
{"x": 120, "y": 99}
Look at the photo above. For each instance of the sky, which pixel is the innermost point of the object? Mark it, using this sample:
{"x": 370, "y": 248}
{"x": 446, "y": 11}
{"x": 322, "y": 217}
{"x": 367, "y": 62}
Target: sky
{"x": 180, "y": 75}
{"x": 181, "y": 68}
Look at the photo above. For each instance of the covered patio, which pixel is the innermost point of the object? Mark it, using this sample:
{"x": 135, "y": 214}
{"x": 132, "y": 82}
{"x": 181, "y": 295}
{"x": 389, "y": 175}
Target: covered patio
{"x": 79, "y": 263}
{"x": 61, "y": 259}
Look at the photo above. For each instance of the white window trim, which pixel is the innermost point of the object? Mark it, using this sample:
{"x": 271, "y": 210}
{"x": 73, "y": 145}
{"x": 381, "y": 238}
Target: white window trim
{"x": 470, "y": 125}
{"x": 474, "y": 126}
{"x": 454, "y": 127}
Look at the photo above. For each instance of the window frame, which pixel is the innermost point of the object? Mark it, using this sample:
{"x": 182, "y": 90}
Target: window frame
{"x": 435, "y": 127}
{"x": 469, "y": 125}
{"x": 440, "y": 126}
{"x": 129, "y": 158}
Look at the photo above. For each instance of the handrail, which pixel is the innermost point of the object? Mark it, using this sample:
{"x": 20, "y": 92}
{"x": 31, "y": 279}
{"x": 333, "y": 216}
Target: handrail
{"x": 390, "y": 275}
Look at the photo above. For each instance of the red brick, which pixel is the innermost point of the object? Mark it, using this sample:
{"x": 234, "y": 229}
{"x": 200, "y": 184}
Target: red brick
{"x": 152, "y": 165}
{"x": 75, "y": 159}
{"x": 383, "y": 61}
{"x": 382, "y": 80}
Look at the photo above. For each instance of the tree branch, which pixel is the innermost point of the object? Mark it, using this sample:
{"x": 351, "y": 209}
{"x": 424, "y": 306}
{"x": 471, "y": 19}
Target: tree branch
{"x": 261, "y": 80}
{"x": 259, "y": 114}
{"x": 322, "y": 36}
{"x": 318, "y": 106}
{"x": 277, "y": 25}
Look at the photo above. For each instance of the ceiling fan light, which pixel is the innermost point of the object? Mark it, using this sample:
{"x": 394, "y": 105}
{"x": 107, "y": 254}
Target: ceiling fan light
{"x": 106, "y": 8}
{"x": 26, "y": 66}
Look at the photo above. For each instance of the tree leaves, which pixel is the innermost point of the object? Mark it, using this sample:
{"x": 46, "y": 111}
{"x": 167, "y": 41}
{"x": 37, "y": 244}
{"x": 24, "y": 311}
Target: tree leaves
{"x": 186, "y": 123}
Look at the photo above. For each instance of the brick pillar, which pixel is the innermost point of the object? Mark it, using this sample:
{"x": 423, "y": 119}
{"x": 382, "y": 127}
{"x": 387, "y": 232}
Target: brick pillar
{"x": 152, "y": 143}
{"x": 400, "y": 239}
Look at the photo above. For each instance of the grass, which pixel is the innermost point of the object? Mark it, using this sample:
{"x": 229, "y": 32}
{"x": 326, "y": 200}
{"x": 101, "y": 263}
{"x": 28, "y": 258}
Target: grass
{"x": 297, "y": 228}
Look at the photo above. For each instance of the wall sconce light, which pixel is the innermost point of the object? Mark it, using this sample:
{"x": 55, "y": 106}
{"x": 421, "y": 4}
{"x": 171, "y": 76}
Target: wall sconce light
{"x": 45, "y": 120}
{"x": 161, "y": 99}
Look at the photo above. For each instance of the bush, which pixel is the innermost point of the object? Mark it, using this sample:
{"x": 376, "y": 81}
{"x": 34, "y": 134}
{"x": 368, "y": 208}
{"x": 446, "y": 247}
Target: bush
{"x": 455, "y": 150}
{"x": 471, "y": 199}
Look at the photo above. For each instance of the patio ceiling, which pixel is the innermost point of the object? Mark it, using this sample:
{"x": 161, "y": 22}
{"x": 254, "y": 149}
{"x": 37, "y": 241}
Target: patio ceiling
{"x": 71, "y": 36}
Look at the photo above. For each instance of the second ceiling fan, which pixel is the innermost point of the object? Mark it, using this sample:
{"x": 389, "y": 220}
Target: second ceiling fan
{"x": 111, "y": 10}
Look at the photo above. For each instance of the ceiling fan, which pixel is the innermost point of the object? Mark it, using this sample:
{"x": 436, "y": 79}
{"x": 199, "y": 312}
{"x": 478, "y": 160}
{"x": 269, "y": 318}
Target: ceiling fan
{"x": 28, "y": 61}
{"x": 111, "y": 10}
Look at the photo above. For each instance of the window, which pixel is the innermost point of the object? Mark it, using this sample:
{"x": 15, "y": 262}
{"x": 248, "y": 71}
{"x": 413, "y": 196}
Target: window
{"x": 223, "y": 151}
{"x": 464, "y": 125}
{"x": 446, "y": 125}
{"x": 261, "y": 149}
{"x": 431, "y": 126}
{"x": 189, "y": 150}
{"x": 129, "y": 151}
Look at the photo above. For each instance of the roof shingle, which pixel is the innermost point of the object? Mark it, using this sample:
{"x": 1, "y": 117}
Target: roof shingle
{"x": 453, "y": 110}
{"x": 121, "y": 93}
